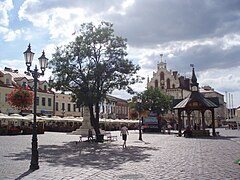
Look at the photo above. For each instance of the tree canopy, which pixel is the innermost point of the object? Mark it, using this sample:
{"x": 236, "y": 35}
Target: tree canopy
{"x": 155, "y": 101}
{"x": 93, "y": 66}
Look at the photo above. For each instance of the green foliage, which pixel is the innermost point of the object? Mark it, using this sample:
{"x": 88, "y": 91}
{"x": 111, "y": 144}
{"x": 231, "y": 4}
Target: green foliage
{"x": 94, "y": 64}
{"x": 154, "y": 100}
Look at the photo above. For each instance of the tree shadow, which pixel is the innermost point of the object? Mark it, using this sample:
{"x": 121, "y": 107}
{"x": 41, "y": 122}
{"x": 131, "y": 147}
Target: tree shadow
{"x": 96, "y": 155}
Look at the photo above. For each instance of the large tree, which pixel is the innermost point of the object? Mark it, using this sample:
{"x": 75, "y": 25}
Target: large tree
{"x": 93, "y": 66}
{"x": 155, "y": 101}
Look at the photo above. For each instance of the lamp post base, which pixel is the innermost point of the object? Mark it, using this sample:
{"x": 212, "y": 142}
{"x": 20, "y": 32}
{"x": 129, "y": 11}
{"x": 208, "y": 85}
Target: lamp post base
{"x": 140, "y": 134}
{"x": 34, "y": 160}
{"x": 140, "y": 128}
{"x": 34, "y": 166}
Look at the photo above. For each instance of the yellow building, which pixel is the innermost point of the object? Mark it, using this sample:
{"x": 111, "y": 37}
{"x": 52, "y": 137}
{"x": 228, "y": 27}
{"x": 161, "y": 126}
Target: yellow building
{"x": 50, "y": 103}
{"x": 12, "y": 78}
{"x": 65, "y": 107}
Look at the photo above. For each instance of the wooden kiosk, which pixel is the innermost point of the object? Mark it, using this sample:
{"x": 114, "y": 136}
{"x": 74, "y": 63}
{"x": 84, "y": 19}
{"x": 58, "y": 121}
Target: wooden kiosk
{"x": 196, "y": 101}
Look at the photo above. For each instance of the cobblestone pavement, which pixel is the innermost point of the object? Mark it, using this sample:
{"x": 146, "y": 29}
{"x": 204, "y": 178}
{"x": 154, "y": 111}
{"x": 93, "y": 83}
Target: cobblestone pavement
{"x": 159, "y": 156}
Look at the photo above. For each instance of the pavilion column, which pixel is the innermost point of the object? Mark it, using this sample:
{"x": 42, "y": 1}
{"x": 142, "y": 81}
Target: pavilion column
{"x": 179, "y": 123}
{"x": 213, "y": 123}
{"x": 188, "y": 118}
{"x": 203, "y": 120}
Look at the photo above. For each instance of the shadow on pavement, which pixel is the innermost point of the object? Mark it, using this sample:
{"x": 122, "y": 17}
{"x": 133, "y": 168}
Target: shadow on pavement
{"x": 84, "y": 154}
{"x": 217, "y": 137}
{"x": 24, "y": 174}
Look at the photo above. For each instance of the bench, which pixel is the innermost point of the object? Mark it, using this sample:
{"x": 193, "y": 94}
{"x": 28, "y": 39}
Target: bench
{"x": 110, "y": 137}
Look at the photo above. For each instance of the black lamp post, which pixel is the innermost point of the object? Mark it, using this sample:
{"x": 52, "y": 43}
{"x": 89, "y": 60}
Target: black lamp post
{"x": 43, "y": 61}
{"x": 139, "y": 102}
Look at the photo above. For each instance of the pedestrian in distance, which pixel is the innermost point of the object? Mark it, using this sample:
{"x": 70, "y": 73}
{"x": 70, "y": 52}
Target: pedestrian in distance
{"x": 124, "y": 133}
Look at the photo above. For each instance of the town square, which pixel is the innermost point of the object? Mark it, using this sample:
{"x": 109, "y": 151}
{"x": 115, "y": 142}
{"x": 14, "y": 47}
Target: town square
{"x": 158, "y": 156}
{"x": 128, "y": 89}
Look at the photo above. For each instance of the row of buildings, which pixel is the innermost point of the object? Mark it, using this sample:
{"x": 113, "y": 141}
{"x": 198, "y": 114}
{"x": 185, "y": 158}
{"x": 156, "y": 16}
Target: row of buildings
{"x": 50, "y": 103}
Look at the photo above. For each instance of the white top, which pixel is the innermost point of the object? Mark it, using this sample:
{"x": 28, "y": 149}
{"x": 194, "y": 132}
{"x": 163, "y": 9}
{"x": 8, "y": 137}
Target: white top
{"x": 124, "y": 130}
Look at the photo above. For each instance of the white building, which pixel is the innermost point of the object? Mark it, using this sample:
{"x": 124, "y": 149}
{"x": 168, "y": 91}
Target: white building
{"x": 169, "y": 82}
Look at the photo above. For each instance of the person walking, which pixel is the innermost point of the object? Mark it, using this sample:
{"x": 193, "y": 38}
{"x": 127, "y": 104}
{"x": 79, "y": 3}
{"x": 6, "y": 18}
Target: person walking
{"x": 124, "y": 133}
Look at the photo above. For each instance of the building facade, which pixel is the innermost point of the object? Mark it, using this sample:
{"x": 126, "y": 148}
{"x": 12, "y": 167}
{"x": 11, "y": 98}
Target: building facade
{"x": 177, "y": 86}
{"x": 53, "y": 104}
{"x": 9, "y": 79}
{"x": 220, "y": 112}
{"x": 114, "y": 108}
{"x": 169, "y": 82}
{"x": 64, "y": 106}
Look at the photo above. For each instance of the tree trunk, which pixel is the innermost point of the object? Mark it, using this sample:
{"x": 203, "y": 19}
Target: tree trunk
{"x": 95, "y": 123}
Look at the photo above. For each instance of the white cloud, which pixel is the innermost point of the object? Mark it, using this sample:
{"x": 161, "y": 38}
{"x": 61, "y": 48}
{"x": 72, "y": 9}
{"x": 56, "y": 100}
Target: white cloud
{"x": 59, "y": 22}
{"x": 14, "y": 64}
{"x": 230, "y": 40}
{"x": 205, "y": 34}
{"x": 5, "y": 7}
{"x": 11, "y": 35}
{"x": 3, "y": 29}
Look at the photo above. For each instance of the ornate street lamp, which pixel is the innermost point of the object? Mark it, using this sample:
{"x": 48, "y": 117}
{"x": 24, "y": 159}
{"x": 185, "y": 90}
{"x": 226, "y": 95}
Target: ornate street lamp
{"x": 43, "y": 61}
{"x": 139, "y": 105}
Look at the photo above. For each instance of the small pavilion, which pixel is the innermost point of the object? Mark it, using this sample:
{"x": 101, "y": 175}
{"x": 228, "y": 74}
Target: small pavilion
{"x": 196, "y": 101}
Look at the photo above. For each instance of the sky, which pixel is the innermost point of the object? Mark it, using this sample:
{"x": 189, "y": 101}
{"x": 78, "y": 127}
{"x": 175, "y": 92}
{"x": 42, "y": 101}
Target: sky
{"x": 205, "y": 33}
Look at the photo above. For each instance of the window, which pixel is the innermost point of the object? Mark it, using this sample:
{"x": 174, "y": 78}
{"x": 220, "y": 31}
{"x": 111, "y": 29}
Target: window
{"x": 63, "y": 106}
{"x": 6, "y": 95}
{"x": 49, "y": 102}
{"x": 45, "y": 87}
{"x": 74, "y": 107}
{"x": 56, "y": 106}
{"x": 8, "y": 81}
{"x": 156, "y": 83}
{"x": 24, "y": 84}
{"x": 37, "y": 103}
{"x": 162, "y": 76}
{"x": 168, "y": 83}
{"x": 69, "y": 107}
{"x": 43, "y": 101}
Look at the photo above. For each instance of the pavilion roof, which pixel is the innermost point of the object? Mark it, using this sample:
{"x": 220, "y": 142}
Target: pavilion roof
{"x": 197, "y": 97}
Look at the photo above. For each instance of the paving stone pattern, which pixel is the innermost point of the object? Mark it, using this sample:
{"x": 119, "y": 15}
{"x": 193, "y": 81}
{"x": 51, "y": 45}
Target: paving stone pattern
{"x": 158, "y": 157}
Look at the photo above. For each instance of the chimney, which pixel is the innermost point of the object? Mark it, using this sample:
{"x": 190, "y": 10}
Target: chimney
{"x": 8, "y": 69}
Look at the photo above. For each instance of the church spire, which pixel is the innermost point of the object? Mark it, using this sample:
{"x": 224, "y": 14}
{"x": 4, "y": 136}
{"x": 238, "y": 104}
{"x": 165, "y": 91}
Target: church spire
{"x": 194, "y": 78}
{"x": 162, "y": 65}
{"x": 194, "y": 83}
{"x": 161, "y": 57}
